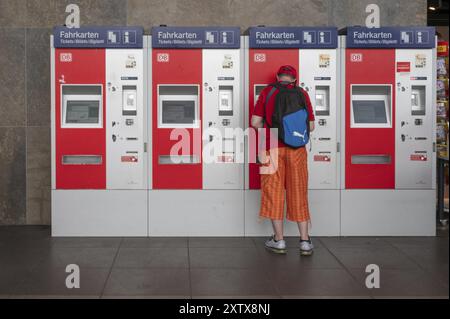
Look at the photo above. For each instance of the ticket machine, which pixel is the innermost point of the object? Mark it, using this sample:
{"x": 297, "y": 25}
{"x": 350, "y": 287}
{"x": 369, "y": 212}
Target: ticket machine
{"x": 388, "y": 131}
{"x": 197, "y": 169}
{"x": 313, "y": 51}
{"x": 98, "y": 132}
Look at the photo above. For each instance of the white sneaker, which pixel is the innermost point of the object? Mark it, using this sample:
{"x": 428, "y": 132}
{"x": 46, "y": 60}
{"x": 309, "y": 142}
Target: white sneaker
{"x": 276, "y": 246}
{"x": 306, "y": 247}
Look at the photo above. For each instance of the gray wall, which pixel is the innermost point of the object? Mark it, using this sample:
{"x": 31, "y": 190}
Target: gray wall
{"x": 25, "y": 26}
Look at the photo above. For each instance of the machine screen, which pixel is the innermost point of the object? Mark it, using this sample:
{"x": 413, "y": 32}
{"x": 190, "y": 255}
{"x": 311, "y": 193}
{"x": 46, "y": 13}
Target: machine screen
{"x": 418, "y": 100}
{"x": 369, "y": 112}
{"x": 82, "y": 112}
{"x": 178, "y": 112}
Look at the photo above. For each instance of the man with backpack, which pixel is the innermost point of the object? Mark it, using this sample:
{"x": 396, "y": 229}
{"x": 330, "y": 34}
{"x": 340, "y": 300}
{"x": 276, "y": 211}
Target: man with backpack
{"x": 287, "y": 108}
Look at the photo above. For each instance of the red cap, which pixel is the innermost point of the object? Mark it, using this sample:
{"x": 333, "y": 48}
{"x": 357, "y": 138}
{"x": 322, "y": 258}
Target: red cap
{"x": 288, "y": 70}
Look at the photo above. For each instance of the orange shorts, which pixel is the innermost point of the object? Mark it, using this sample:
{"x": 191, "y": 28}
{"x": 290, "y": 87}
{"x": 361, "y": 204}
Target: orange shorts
{"x": 285, "y": 168}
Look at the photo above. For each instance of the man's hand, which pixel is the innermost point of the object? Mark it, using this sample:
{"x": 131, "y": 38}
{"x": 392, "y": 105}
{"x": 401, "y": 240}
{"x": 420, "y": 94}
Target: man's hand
{"x": 312, "y": 126}
{"x": 257, "y": 122}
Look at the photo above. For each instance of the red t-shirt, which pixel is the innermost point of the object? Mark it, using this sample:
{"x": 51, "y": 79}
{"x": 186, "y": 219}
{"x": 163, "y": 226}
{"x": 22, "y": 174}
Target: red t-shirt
{"x": 270, "y": 106}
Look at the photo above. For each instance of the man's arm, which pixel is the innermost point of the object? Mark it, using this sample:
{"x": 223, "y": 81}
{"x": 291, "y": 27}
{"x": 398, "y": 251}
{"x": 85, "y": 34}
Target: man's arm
{"x": 257, "y": 120}
{"x": 310, "y": 110}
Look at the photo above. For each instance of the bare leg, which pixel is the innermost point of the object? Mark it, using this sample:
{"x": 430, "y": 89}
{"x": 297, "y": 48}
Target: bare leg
{"x": 303, "y": 229}
{"x": 277, "y": 225}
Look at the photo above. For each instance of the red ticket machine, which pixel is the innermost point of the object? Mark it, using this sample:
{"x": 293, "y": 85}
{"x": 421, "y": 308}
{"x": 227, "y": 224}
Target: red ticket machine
{"x": 388, "y": 83}
{"x": 313, "y": 51}
{"x": 98, "y": 162}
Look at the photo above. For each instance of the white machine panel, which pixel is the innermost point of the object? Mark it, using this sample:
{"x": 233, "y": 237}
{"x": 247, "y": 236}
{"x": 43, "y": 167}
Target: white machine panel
{"x": 415, "y": 118}
{"x": 222, "y": 113}
{"x": 99, "y": 213}
{"x": 125, "y": 119}
{"x": 196, "y": 213}
{"x": 318, "y": 76}
{"x": 387, "y": 212}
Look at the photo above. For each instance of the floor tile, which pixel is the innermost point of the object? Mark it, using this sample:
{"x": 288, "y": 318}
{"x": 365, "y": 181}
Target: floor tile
{"x": 224, "y": 258}
{"x": 418, "y": 241}
{"x": 86, "y": 242}
{"x": 326, "y": 297}
{"x": 83, "y": 257}
{"x": 428, "y": 257}
{"x": 321, "y": 258}
{"x": 47, "y": 281}
{"x": 401, "y": 283}
{"x": 148, "y": 282}
{"x": 230, "y": 282}
{"x": 19, "y": 257}
{"x": 440, "y": 274}
{"x": 238, "y": 297}
{"x": 11, "y": 277}
{"x": 147, "y": 297}
{"x": 210, "y": 242}
{"x": 337, "y": 242}
{"x": 155, "y": 242}
{"x": 317, "y": 282}
{"x": 384, "y": 257}
{"x": 59, "y": 296}
{"x": 152, "y": 258}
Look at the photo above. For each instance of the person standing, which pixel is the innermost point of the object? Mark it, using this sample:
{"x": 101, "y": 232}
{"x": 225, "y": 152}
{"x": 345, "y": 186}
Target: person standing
{"x": 289, "y": 177}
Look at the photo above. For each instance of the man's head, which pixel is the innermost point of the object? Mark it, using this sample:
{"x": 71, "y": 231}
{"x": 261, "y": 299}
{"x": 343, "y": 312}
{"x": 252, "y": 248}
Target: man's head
{"x": 287, "y": 73}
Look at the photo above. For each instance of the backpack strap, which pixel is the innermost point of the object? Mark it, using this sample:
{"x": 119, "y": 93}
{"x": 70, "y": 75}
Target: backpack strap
{"x": 269, "y": 95}
{"x": 302, "y": 94}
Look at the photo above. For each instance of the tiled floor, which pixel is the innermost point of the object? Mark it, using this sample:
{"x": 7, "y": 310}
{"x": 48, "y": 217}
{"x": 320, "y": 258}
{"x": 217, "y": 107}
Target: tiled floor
{"x": 32, "y": 265}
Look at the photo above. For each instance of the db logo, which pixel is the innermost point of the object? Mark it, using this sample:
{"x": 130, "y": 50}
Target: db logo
{"x": 259, "y": 57}
{"x": 65, "y": 57}
{"x": 356, "y": 57}
{"x": 162, "y": 57}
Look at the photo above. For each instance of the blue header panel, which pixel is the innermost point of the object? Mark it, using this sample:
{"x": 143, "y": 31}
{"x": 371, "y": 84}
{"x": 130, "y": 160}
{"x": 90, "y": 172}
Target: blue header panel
{"x": 391, "y": 37}
{"x": 196, "y": 37}
{"x": 293, "y": 37}
{"x": 98, "y": 37}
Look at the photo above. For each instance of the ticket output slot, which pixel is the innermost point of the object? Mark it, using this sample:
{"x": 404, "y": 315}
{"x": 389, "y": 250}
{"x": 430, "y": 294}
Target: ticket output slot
{"x": 81, "y": 106}
{"x": 225, "y": 100}
{"x": 371, "y": 106}
{"x": 178, "y": 159}
{"x": 82, "y": 160}
{"x": 371, "y": 159}
{"x": 178, "y": 106}
{"x": 322, "y": 99}
{"x": 129, "y": 100}
{"x": 418, "y": 100}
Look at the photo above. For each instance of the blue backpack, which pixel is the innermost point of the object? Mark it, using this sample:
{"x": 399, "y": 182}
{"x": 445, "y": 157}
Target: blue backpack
{"x": 290, "y": 115}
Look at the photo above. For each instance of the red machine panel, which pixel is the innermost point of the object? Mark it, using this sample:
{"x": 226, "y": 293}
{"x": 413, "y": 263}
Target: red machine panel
{"x": 79, "y": 67}
{"x": 176, "y": 67}
{"x": 369, "y": 67}
{"x": 263, "y": 65}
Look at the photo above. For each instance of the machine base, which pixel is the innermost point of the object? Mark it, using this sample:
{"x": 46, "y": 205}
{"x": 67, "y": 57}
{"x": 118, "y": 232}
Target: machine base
{"x": 196, "y": 213}
{"x": 112, "y": 213}
{"x": 99, "y": 213}
{"x": 324, "y": 209}
{"x": 388, "y": 212}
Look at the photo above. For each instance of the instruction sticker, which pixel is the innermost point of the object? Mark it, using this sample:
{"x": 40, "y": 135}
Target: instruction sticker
{"x": 403, "y": 67}
{"x": 324, "y": 60}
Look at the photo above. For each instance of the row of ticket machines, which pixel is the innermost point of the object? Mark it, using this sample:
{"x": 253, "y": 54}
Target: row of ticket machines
{"x": 134, "y": 115}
